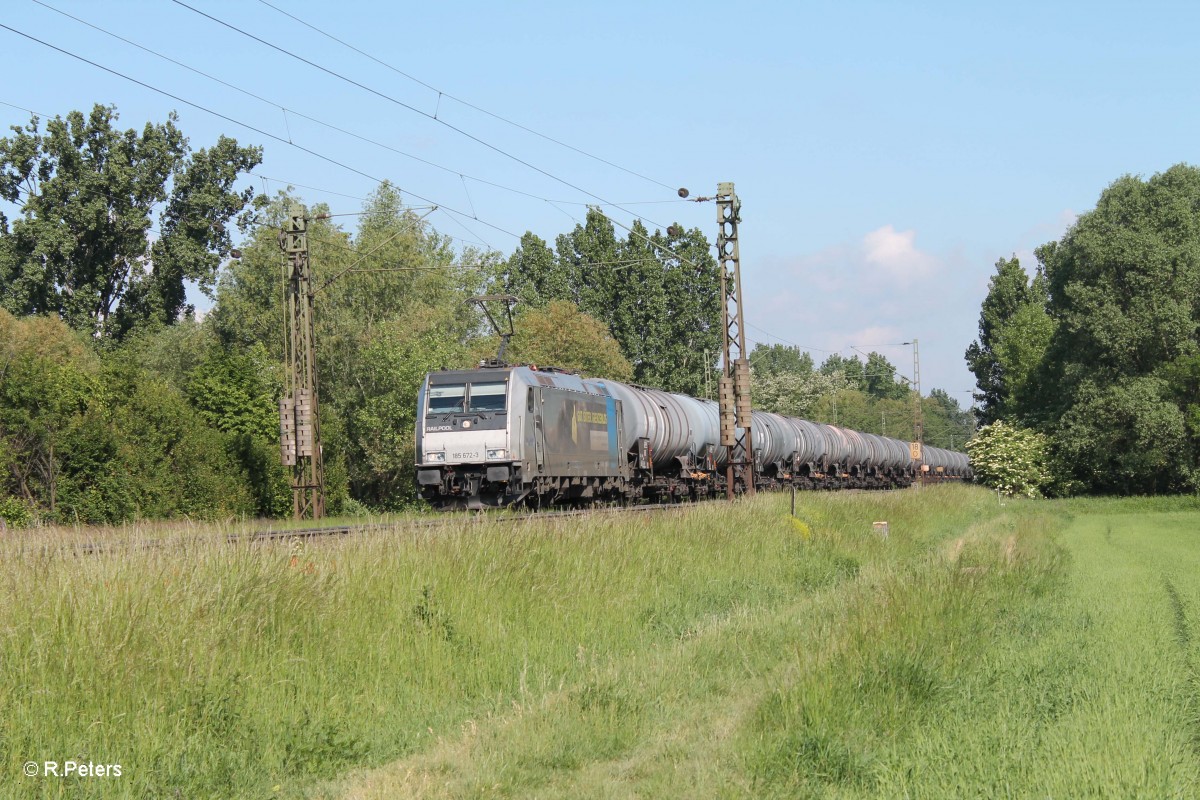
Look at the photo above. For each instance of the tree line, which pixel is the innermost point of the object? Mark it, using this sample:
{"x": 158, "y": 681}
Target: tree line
{"x": 870, "y": 396}
{"x": 119, "y": 401}
{"x": 1095, "y": 354}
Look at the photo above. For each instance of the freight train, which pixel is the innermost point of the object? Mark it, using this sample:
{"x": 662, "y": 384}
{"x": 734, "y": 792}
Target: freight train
{"x": 503, "y": 435}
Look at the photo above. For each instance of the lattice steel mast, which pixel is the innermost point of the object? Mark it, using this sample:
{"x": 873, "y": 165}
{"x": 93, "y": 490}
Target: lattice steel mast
{"x": 299, "y": 422}
{"x": 918, "y": 410}
{"x": 734, "y": 385}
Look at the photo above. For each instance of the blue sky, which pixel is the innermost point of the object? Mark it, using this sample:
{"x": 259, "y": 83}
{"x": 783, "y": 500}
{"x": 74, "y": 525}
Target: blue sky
{"x": 886, "y": 155}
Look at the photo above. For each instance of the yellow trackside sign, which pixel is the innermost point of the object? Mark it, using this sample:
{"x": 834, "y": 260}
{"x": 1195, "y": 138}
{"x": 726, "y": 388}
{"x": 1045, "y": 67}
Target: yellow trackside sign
{"x": 914, "y": 448}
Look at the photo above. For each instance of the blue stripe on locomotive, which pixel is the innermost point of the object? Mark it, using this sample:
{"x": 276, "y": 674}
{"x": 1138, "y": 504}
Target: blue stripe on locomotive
{"x": 610, "y": 407}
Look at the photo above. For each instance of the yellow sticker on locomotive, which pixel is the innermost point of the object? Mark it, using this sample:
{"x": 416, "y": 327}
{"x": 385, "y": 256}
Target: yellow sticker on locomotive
{"x": 584, "y": 417}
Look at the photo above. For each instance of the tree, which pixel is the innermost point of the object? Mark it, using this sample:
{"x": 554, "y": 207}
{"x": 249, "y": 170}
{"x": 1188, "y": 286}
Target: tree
{"x": 690, "y": 344}
{"x": 776, "y": 359}
{"x": 658, "y": 294}
{"x": 237, "y": 392}
{"x": 164, "y": 460}
{"x": 851, "y": 368}
{"x": 390, "y": 306}
{"x": 535, "y": 275}
{"x": 947, "y": 424}
{"x": 49, "y": 380}
{"x": 89, "y": 196}
{"x": 1020, "y": 349}
{"x": 85, "y": 439}
{"x": 1014, "y": 331}
{"x": 848, "y": 408}
{"x": 561, "y": 335}
{"x": 1125, "y": 280}
{"x": 1114, "y": 384}
{"x": 880, "y": 377}
{"x": 382, "y": 419}
{"x": 1010, "y": 459}
{"x": 794, "y": 394}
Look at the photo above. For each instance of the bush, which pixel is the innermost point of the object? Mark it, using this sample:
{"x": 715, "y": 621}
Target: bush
{"x": 14, "y": 513}
{"x": 1010, "y": 459}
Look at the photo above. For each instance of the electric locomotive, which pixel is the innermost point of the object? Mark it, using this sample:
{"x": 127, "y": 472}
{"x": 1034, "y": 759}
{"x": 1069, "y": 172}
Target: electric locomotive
{"x": 496, "y": 436}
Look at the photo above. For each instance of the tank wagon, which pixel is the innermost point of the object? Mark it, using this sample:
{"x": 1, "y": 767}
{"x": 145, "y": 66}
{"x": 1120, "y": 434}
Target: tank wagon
{"x": 501, "y": 435}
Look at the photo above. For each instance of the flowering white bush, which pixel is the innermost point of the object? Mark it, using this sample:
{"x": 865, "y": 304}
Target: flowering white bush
{"x": 1010, "y": 459}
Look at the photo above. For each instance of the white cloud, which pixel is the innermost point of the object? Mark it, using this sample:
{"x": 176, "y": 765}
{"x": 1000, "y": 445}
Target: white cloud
{"x": 882, "y": 260}
{"x": 877, "y": 288}
{"x": 874, "y": 337}
{"x": 896, "y": 255}
{"x": 880, "y": 287}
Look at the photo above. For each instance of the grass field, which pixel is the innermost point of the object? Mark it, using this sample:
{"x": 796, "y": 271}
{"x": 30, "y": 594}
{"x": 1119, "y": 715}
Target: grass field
{"x": 1035, "y": 649}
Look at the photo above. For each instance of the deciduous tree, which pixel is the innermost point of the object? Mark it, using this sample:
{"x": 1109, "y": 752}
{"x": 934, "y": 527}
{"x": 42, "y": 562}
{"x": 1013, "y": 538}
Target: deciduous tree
{"x": 1014, "y": 331}
{"x": 776, "y": 359}
{"x": 90, "y": 196}
{"x": 658, "y": 294}
{"x": 561, "y": 335}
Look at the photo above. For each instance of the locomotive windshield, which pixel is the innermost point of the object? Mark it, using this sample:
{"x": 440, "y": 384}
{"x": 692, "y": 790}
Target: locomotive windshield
{"x": 488, "y": 397}
{"x": 456, "y": 398}
{"x": 447, "y": 399}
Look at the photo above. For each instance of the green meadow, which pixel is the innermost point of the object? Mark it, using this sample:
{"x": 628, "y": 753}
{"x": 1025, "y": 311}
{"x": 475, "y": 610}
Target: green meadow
{"x": 1030, "y": 649}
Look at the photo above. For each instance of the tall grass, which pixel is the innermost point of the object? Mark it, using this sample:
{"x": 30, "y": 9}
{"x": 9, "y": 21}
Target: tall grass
{"x": 707, "y": 652}
{"x": 876, "y": 668}
{"x": 210, "y": 669}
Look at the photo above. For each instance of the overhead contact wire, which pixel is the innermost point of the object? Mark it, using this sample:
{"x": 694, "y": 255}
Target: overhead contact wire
{"x": 294, "y": 112}
{"x": 247, "y": 126}
{"x": 323, "y": 123}
{"x": 460, "y": 101}
{"x": 454, "y": 128}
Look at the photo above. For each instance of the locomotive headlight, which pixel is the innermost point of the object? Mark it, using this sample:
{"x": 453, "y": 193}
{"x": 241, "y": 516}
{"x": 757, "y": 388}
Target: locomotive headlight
{"x": 496, "y": 455}
{"x": 440, "y": 456}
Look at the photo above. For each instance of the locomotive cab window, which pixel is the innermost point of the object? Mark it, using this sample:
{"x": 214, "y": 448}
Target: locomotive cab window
{"x": 488, "y": 397}
{"x": 448, "y": 399}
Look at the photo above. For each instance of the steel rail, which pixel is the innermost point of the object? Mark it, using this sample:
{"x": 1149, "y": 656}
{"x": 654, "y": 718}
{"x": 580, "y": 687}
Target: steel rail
{"x": 332, "y": 531}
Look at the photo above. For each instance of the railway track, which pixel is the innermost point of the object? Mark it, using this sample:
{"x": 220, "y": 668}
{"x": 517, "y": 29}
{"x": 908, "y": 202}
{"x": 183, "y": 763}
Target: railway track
{"x": 470, "y": 517}
{"x": 337, "y": 531}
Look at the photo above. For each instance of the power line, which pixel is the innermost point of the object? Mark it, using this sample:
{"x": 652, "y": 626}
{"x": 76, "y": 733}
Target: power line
{"x": 478, "y": 239}
{"x": 448, "y": 96}
{"x": 302, "y": 186}
{"x": 312, "y": 236}
{"x": 434, "y": 118}
{"x": 246, "y": 125}
{"x": 284, "y": 109}
{"x": 360, "y": 137}
{"x": 328, "y": 159}
{"x": 289, "y": 140}
{"x": 785, "y": 341}
{"x": 22, "y": 108}
{"x": 382, "y": 95}
{"x": 330, "y": 215}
